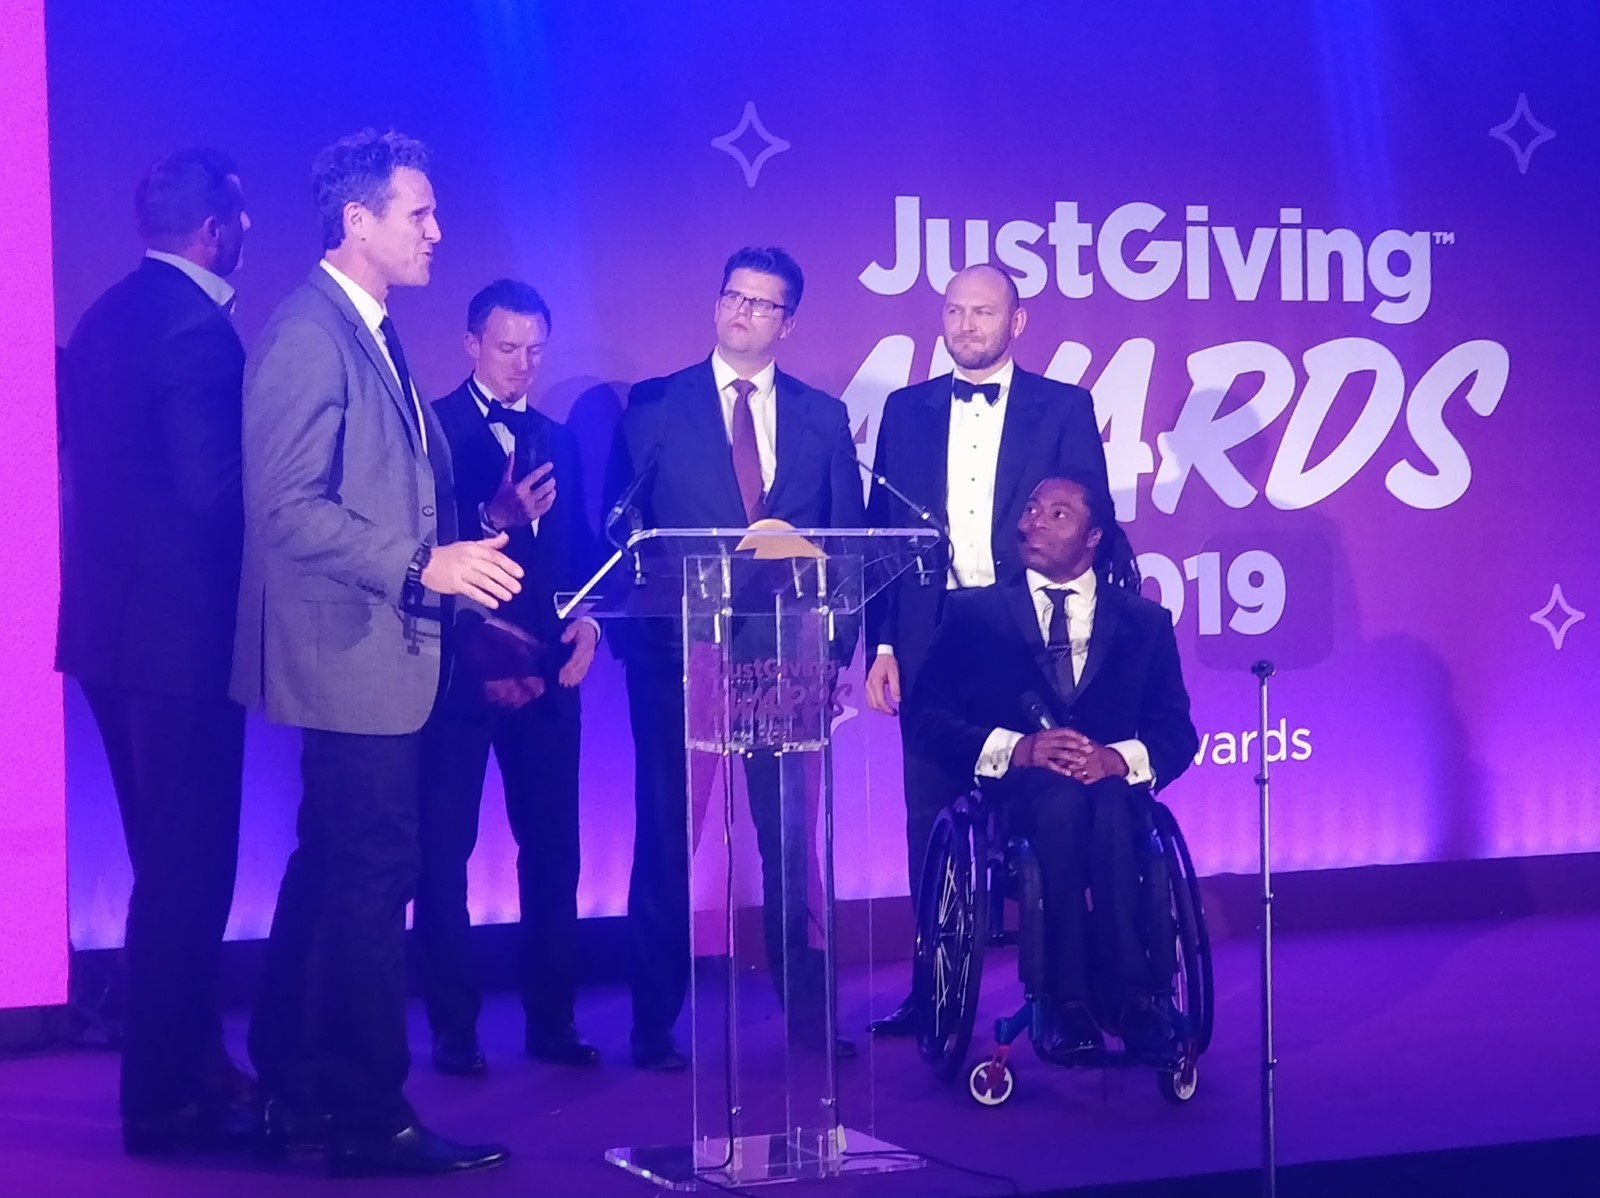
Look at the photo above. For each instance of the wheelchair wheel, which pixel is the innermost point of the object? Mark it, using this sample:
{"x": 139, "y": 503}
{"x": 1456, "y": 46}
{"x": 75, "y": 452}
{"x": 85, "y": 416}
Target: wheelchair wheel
{"x": 1193, "y": 991}
{"x": 952, "y": 926}
{"x": 1178, "y": 1085}
{"x": 991, "y": 1084}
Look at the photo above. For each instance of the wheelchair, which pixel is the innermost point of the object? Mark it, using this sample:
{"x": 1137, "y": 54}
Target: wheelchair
{"x": 973, "y": 866}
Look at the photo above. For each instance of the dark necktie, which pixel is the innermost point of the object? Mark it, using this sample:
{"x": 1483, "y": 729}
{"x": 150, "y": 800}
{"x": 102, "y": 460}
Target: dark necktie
{"x": 391, "y": 341}
{"x": 1057, "y": 639}
{"x": 965, "y": 392}
{"x": 746, "y": 457}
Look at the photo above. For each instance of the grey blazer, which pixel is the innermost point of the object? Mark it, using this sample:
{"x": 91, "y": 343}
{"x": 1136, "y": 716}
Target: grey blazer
{"x": 338, "y": 496}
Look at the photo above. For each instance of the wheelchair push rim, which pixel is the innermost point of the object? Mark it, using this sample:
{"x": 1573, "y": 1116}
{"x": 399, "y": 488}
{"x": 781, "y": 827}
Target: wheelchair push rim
{"x": 952, "y": 926}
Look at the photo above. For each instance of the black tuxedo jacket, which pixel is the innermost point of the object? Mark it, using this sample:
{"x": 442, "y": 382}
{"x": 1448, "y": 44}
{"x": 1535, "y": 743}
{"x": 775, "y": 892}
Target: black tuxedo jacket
{"x": 1049, "y": 429}
{"x": 673, "y": 428}
{"x": 564, "y": 553}
{"x": 152, "y": 511}
{"x": 989, "y": 652}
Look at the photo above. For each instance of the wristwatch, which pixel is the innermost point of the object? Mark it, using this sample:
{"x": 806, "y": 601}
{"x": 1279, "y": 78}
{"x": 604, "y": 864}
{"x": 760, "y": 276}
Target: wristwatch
{"x": 419, "y": 563}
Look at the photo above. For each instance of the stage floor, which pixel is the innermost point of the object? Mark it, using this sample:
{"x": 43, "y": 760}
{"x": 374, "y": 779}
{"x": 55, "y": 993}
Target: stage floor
{"x": 1390, "y": 1041}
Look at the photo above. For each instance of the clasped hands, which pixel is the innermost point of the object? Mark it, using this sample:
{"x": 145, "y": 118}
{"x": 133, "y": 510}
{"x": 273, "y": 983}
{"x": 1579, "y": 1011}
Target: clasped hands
{"x": 1069, "y": 753}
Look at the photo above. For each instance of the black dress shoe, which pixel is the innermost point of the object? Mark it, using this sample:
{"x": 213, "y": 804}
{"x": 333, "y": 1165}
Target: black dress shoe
{"x": 192, "y": 1128}
{"x": 458, "y": 1054}
{"x": 658, "y": 1054}
{"x": 902, "y": 1021}
{"x": 1075, "y": 1034}
{"x": 285, "y": 1129}
{"x": 410, "y": 1152}
{"x": 1149, "y": 1033}
{"x": 563, "y": 1047}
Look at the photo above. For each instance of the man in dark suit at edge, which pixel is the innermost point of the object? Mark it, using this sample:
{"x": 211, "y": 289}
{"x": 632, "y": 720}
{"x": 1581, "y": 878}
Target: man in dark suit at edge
{"x": 969, "y": 447}
{"x": 152, "y": 533}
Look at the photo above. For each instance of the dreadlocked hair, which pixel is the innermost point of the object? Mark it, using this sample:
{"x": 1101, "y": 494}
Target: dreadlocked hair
{"x": 1115, "y": 562}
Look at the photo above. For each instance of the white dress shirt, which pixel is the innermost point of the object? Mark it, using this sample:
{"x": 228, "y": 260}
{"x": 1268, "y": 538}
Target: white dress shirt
{"x": 481, "y": 394}
{"x": 995, "y": 757}
{"x": 763, "y": 410}
{"x": 217, "y": 289}
{"x": 372, "y": 314}
{"x": 972, "y": 459}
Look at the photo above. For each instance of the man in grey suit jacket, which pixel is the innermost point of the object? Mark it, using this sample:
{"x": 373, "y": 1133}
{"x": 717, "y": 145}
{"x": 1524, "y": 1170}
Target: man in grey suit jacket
{"x": 348, "y": 558}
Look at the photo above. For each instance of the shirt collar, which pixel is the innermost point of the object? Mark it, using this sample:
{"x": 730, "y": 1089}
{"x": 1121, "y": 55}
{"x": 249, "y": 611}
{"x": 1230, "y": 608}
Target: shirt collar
{"x": 1001, "y": 376}
{"x": 725, "y": 374}
{"x": 1083, "y": 585}
{"x": 217, "y": 289}
{"x": 482, "y": 392}
{"x": 367, "y": 307}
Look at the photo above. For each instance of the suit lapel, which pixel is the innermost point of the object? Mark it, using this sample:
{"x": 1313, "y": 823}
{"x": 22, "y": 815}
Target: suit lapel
{"x": 790, "y": 433}
{"x": 324, "y": 282}
{"x": 1018, "y": 439}
{"x": 936, "y": 455}
{"x": 708, "y": 429}
{"x": 480, "y": 450}
{"x": 1107, "y": 614}
{"x": 1019, "y": 601}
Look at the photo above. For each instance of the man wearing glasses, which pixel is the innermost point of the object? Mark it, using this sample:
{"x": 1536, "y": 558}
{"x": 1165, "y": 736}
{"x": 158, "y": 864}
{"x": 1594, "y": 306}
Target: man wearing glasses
{"x": 721, "y": 444}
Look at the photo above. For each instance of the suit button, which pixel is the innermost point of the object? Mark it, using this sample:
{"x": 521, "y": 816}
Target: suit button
{"x": 427, "y": 511}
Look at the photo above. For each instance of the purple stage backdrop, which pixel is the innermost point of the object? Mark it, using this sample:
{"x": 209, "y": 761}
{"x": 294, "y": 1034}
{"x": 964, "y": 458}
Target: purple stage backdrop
{"x": 1327, "y": 268}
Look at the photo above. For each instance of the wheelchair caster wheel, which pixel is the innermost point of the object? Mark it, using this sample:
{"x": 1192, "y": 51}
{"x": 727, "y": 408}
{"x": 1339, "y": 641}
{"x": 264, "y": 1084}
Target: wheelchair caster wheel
{"x": 1178, "y": 1085}
{"x": 991, "y": 1084}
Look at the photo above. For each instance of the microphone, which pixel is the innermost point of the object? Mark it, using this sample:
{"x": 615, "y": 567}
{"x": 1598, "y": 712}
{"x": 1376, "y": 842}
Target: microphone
{"x": 1037, "y": 711}
{"x": 624, "y": 504}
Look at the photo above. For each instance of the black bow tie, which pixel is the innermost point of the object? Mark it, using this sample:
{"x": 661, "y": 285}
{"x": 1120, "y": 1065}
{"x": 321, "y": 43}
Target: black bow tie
{"x": 965, "y": 391}
{"x": 500, "y": 414}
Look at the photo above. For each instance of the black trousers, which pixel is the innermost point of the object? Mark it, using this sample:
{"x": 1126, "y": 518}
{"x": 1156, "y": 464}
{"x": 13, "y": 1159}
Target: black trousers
{"x": 1086, "y": 841}
{"x": 658, "y": 892}
{"x": 329, "y": 1027}
{"x": 536, "y": 747}
{"x": 176, "y": 764}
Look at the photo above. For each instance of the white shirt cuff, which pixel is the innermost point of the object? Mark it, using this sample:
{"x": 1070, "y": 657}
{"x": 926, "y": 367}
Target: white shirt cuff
{"x": 593, "y": 623}
{"x": 1138, "y": 759}
{"x": 994, "y": 759}
{"x": 885, "y": 650}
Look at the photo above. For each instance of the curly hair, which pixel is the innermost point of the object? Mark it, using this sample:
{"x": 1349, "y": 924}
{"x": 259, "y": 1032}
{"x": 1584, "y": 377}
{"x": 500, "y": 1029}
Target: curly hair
{"x": 360, "y": 169}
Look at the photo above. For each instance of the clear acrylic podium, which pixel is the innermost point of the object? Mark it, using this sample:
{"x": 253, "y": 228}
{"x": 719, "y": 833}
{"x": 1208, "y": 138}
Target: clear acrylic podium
{"x": 762, "y": 616}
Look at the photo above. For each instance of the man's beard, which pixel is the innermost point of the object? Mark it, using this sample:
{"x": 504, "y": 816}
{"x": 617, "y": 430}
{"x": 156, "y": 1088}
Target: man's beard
{"x": 979, "y": 359}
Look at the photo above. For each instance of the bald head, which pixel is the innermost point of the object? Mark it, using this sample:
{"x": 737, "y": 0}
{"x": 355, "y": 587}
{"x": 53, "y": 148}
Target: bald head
{"x": 982, "y": 315}
{"x": 990, "y": 280}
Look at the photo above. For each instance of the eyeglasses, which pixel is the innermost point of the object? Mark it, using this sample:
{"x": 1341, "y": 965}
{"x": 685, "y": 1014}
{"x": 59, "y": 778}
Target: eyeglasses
{"x": 733, "y": 301}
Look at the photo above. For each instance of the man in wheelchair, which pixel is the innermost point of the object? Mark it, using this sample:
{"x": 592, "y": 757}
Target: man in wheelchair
{"x": 1060, "y": 692}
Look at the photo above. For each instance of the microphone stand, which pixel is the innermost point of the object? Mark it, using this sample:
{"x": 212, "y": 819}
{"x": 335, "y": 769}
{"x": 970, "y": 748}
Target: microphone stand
{"x": 1263, "y": 670}
{"x": 624, "y": 506}
{"x": 924, "y": 575}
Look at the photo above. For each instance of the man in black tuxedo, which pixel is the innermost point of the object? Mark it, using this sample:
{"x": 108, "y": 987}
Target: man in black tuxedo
{"x": 720, "y": 444}
{"x": 968, "y": 447}
{"x": 152, "y": 533}
{"x": 515, "y": 690}
{"x": 1073, "y": 634}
